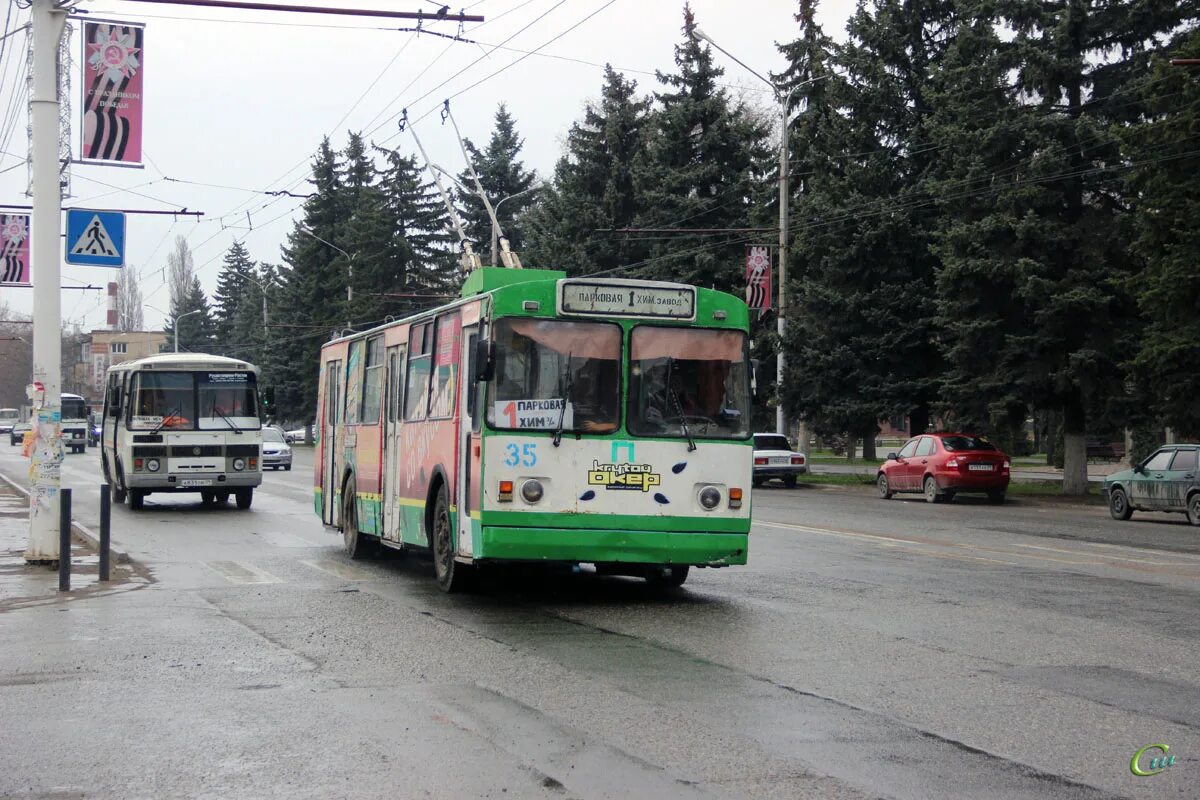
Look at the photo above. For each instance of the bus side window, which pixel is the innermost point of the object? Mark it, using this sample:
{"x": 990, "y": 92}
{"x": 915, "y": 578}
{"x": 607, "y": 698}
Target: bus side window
{"x": 113, "y": 397}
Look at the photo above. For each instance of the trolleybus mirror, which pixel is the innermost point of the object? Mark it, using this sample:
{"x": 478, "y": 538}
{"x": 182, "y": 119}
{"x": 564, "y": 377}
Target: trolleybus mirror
{"x": 484, "y": 360}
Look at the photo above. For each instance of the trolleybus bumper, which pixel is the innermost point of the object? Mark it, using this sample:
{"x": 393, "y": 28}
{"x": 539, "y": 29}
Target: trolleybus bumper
{"x": 584, "y": 545}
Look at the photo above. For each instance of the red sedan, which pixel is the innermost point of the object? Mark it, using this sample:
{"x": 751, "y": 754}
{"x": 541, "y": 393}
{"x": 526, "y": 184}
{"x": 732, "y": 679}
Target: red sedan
{"x": 940, "y": 465}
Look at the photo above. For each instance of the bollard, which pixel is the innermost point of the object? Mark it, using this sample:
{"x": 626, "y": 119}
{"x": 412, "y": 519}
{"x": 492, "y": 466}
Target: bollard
{"x": 64, "y": 541}
{"x": 105, "y": 518}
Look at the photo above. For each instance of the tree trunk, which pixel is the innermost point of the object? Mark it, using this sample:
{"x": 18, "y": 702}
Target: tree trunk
{"x": 1074, "y": 448}
{"x": 308, "y": 432}
{"x": 918, "y": 420}
{"x": 869, "y": 446}
{"x": 1051, "y": 436}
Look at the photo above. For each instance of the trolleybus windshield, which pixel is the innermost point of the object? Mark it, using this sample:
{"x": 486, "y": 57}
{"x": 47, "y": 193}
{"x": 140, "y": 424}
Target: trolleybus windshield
{"x": 542, "y": 364}
{"x": 688, "y": 380}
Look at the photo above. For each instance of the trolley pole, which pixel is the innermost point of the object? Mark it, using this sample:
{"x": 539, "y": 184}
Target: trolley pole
{"x": 48, "y": 23}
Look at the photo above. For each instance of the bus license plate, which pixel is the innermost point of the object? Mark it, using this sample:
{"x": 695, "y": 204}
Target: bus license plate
{"x": 196, "y": 482}
{"x": 979, "y": 467}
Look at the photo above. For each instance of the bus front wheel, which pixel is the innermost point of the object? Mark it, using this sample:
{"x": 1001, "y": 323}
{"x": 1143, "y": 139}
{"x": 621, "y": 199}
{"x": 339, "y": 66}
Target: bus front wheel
{"x": 244, "y": 497}
{"x": 451, "y": 575}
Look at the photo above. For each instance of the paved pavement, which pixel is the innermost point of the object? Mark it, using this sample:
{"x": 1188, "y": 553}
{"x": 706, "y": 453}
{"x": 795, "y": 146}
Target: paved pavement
{"x": 870, "y": 649}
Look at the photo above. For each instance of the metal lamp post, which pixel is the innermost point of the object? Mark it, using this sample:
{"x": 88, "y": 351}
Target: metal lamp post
{"x": 349, "y": 273}
{"x": 495, "y": 236}
{"x": 785, "y": 102}
{"x": 175, "y": 324}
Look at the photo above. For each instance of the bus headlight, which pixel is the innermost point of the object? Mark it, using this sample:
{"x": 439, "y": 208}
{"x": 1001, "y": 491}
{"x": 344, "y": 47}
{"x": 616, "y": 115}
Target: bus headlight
{"x": 710, "y": 497}
{"x": 239, "y": 464}
{"x": 152, "y": 465}
{"x": 532, "y": 490}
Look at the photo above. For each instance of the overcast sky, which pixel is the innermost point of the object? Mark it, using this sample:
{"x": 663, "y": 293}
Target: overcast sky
{"x": 241, "y": 99}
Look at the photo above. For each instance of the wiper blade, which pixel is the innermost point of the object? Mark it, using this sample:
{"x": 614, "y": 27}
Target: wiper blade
{"x": 228, "y": 422}
{"x": 673, "y": 396}
{"x": 562, "y": 412}
{"x": 163, "y": 421}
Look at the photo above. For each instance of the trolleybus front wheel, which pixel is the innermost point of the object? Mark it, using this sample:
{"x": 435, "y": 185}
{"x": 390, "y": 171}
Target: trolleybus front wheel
{"x": 667, "y": 577}
{"x": 451, "y": 575}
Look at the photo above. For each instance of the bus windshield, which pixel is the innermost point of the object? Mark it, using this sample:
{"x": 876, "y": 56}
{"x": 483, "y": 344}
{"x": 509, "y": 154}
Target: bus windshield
{"x": 688, "y": 381}
{"x": 541, "y": 363}
{"x": 169, "y": 400}
{"x": 74, "y": 408}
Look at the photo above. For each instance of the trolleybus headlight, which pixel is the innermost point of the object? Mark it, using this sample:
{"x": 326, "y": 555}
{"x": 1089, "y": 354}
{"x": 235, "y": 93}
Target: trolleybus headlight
{"x": 152, "y": 465}
{"x": 710, "y": 497}
{"x": 239, "y": 464}
{"x": 532, "y": 490}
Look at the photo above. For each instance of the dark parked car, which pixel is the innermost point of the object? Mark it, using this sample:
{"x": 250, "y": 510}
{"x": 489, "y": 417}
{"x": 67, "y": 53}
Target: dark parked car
{"x": 1169, "y": 480}
{"x": 17, "y": 435}
{"x": 941, "y": 465}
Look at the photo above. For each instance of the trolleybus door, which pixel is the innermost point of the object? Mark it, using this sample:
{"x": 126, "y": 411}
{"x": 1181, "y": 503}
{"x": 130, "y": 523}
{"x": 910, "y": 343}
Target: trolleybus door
{"x": 391, "y": 444}
{"x": 466, "y": 442}
{"x": 330, "y": 441}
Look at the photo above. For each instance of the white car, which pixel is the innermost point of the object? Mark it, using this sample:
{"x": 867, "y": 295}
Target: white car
{"x": 276, "y": 452}
{"x": 774, "y": 458}
{"x": 294, "y": 436}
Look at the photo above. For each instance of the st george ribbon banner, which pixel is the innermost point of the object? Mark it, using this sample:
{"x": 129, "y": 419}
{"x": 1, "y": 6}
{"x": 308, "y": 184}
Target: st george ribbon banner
{"x": 113, "y": 62}
{"x": 14, "y": 246}
{"x": 758, "y": 277}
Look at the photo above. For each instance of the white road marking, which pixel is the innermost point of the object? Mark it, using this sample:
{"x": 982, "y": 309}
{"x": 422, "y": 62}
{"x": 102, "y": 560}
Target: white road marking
{"x": 337, "y": 569}
{"x": 240, "y": 572}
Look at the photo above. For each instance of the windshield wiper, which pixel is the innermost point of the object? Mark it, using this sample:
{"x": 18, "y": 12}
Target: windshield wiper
{"x": 562, "y": 412}
{"x": 673, "y": 396}
{"x": 163, "y": 421}
{"x": 216, "y": 410}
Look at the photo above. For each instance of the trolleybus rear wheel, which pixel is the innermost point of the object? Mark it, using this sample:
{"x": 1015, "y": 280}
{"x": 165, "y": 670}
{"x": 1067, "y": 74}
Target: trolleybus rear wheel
{"x": 451, "y": 575}
{"x": 667, "y": 577}
{"x": 358, "y": 545}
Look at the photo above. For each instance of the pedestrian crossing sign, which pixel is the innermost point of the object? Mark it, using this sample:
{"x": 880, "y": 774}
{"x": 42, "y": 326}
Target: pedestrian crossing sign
{"x": 95, "y": 238}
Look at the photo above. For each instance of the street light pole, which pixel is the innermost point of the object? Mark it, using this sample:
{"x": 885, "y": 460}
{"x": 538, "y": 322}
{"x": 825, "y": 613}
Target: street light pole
{"x": 495, "y": 234}
{"x": 785, "y": 104}
{"x": 175, "y": 325}
{"x": 349, "y": 273}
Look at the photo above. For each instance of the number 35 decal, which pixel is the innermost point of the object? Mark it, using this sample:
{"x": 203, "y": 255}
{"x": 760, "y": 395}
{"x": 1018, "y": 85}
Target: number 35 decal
{"x": 524, "y": 455}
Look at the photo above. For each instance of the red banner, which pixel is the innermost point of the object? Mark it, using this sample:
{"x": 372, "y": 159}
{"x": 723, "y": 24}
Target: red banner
{"x": 14, "y": 246}
{"x": 758, "y": 277}
{"x": 113, "y": 61}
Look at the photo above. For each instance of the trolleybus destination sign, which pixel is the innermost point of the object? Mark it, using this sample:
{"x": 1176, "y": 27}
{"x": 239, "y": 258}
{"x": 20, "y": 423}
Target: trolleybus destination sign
{"x": 627, "y": 299}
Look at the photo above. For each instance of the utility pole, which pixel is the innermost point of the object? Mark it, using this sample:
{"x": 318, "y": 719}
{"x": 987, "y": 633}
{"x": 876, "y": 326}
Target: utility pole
{"x": 48, "y": 23}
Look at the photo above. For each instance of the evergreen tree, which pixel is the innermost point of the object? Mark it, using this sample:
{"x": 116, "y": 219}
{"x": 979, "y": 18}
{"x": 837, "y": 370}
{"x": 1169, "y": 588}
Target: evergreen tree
{"x": 594, "y": 187}
{"x": 197, "y": 330}
{"x": 420, "y": 251}
{"x": 1167, "y": 239}
{"x": 863, "y": 332}
{"x": 502, "y": 175}
{"x": 232, "y": 288}
{"x": 1072, "y": 285}
{"x": 314, "y": 288}
{"x": 704, "y": 154}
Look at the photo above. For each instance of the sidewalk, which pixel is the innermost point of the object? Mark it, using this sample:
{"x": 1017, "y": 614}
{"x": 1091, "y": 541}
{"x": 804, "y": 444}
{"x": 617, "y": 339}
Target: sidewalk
{"x": 23, "y": 584}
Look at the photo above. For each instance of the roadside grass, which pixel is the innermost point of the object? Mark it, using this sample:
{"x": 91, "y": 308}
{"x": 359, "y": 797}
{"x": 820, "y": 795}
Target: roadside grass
{"x": 1045, "y": 490}
{"x": 831, "y": 459}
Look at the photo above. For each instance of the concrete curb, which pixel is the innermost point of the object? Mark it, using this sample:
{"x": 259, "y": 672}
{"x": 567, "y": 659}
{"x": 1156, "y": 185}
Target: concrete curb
{"x": 81, "y": 532}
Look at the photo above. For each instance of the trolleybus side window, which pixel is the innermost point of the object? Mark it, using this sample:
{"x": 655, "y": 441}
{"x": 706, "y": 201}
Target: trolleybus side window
{"x": 445, "y": 368}
{"x": 688, "y": 381}
{"x": 372, "y": 382}
{"x": 416, "y": 393}
{"x": 542, "y": 364}
{"x": 354, "y": 381}
{"x": 163, "y": 398}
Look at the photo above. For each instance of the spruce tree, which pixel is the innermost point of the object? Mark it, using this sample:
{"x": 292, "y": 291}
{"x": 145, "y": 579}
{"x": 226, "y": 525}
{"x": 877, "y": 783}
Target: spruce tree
{"x": 704, "y": 152}
{"x": 421, "y": 253}
{"x": 862, "y": 335}
{"x": 197, "y": 331}
{"x": 594, "y": 187}
{"x": 502, "y": 175}
{"x": 231, "y": 291}
{"x": 1167, "y": 240}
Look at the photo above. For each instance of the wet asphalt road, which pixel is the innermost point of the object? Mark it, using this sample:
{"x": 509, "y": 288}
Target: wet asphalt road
{"x": 870, "y": 649}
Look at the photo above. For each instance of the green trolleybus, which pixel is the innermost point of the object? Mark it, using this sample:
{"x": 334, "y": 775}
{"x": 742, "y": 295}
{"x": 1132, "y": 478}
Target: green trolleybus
{"x": 548, "y": 419}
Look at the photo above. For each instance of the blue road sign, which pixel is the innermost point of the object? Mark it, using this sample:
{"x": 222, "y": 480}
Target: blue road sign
{"x": 95, "y": 238}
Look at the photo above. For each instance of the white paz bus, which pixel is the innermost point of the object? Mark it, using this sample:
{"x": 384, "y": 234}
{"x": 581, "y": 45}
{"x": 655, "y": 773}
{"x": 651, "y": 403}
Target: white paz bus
{"x": 182, "y": 422}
